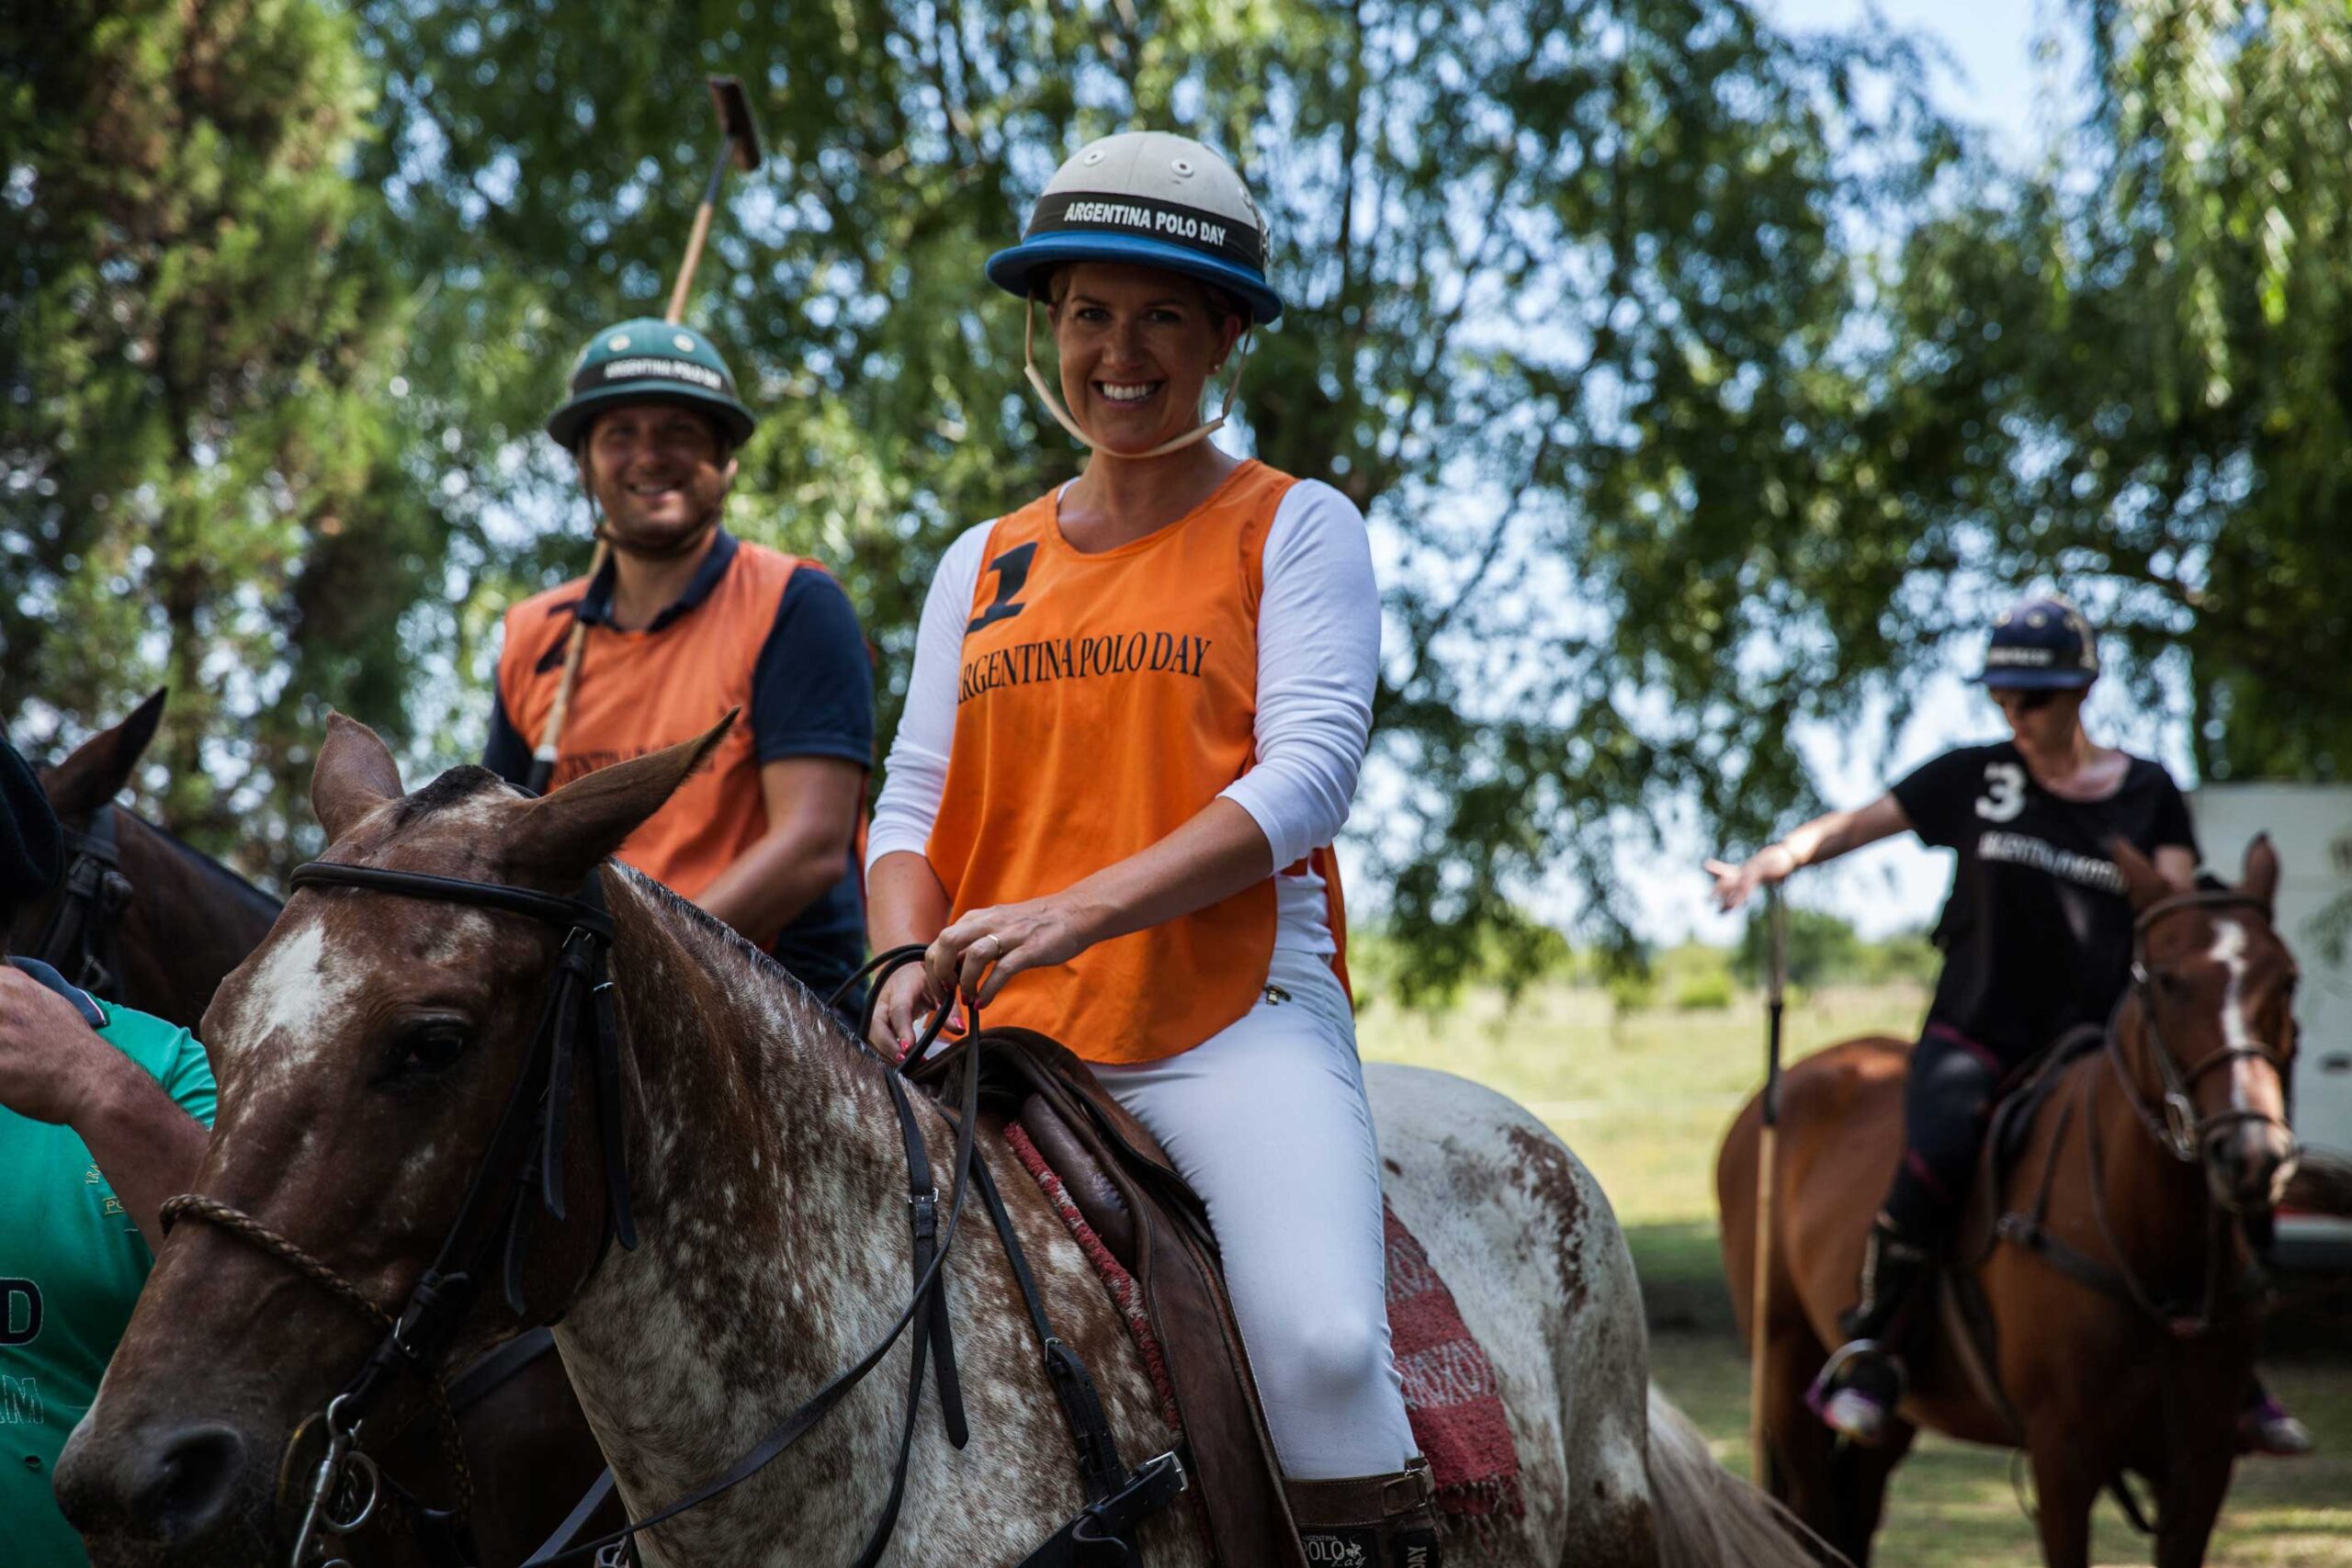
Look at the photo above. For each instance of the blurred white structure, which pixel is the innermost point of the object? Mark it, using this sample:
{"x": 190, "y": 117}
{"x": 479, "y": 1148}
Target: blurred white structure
{"x": 2311, "y": 827}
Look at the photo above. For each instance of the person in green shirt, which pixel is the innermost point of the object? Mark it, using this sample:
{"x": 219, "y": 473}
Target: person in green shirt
{"x": 103, "y": 1115}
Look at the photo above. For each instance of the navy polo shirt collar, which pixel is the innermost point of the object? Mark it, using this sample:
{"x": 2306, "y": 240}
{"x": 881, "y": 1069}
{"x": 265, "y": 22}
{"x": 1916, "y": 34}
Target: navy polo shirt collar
{"x": 595, "y": 607}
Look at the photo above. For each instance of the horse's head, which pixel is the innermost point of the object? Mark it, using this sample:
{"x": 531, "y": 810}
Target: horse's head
{"x": 91, "y": 775}
{"x": 367, "y": 1053}
{"x": 2214, "y": 987}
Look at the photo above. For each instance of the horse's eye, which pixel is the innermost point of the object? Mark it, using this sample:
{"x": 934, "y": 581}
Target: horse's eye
{"x": 430, "y": 1047}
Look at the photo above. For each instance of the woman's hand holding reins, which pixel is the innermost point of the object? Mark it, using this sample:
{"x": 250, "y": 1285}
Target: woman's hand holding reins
{"x": 979, "y": 953}
{"x": 900, "y": 1008}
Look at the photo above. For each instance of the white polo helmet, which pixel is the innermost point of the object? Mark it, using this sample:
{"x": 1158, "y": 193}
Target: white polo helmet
{"x": 1154, "y": 200}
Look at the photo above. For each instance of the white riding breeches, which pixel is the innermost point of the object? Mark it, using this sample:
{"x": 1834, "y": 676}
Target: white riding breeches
{"x": 1267, "y": 1120}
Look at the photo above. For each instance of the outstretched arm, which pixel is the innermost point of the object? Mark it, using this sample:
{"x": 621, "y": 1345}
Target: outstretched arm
{"x": 1824, "y": 839}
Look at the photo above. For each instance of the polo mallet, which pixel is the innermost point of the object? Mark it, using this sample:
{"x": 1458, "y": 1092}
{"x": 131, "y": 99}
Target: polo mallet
{"x": 1777, "y": 942}
{"x": 738, "y": 144}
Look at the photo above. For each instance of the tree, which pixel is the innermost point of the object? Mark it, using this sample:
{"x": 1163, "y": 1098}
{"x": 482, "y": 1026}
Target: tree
{"x": 2160, "y": 355}
{"x": 194, "y": 442}
{"x": 1573, "y": 285}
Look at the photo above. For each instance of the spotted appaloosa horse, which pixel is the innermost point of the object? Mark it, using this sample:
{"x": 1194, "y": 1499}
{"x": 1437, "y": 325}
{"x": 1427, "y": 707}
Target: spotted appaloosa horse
{"x": 2108, "y": 1353}
{"x": 366, "y": 1049}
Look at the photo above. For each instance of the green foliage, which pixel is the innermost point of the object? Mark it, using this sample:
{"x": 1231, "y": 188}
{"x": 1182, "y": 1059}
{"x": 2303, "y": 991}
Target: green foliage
{"x": 1708, "y": 992}
{"x": 1682, "y": 368}
{"x": 2152, "y": 340}
{"x": 1820, "y": 947}
{"x": 194, "y": 445}
{"x": 1571, "y": 288}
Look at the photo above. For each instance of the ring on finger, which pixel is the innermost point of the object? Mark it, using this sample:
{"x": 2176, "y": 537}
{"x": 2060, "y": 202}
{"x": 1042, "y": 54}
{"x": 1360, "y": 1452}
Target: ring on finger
{"x": 994, "y": 944}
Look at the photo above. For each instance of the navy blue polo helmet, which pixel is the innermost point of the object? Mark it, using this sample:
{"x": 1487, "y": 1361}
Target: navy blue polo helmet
{"x": 2041, "y": 644}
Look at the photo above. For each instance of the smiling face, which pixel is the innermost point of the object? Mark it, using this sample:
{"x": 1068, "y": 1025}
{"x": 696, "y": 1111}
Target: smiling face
{"x": 1137, "y": 345}
{"x": 659, "y": 474}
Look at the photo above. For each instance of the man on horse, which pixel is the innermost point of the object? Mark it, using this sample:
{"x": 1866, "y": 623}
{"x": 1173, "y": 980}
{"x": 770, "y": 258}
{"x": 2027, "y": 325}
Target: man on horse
{"x": 103, "y": 1113}
{"x": 2037, "y": 937}
{"x": 683, "y": 623}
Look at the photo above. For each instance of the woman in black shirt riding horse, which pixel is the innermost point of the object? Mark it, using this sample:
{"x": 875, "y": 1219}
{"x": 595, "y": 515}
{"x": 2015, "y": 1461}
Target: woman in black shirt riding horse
{"x": 2036, "y": 935}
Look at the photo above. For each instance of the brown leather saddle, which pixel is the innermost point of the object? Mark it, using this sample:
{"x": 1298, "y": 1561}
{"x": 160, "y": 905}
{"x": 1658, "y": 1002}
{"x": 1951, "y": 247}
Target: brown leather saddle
{"x": 1153, "y": 1223}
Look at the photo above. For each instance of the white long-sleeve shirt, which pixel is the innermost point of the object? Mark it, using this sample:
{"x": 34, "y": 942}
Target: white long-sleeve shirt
{"x": 1318, "y": 659}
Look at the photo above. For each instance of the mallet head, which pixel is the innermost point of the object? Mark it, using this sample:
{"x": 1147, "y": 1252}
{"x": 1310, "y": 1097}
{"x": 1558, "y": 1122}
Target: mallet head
{"x": 735, "y": 121}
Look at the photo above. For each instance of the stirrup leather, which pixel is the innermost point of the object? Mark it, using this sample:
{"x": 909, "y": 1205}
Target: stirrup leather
{"x": 1891, "y": 1264}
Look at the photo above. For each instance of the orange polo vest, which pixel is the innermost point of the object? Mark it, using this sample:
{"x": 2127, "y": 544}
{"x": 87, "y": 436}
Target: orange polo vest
{"x": 1104, "y": 701}
{"x": 641, "y": 691}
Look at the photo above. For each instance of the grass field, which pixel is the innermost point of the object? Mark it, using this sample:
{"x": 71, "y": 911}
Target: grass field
{"x": 1644, "y": 1098}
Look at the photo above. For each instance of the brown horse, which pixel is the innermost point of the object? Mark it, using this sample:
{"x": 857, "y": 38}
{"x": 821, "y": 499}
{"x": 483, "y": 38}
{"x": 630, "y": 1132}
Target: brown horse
{"x": 161, "y": 940}
{"x": 2115, "y": 1274}
{"x": 377, "y": 1051}
{"x": 140, "y": 918}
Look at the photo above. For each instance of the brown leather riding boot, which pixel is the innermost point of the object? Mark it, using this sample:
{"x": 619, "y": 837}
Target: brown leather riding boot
{"x": 1368, "y": 1521}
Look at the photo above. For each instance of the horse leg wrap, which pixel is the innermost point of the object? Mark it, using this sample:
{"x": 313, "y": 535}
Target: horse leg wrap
{"x": 1369, "y": 1521}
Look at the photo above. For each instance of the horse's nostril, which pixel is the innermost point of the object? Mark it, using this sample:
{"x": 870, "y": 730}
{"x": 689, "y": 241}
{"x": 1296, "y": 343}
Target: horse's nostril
{"x": 194, "y": 1478}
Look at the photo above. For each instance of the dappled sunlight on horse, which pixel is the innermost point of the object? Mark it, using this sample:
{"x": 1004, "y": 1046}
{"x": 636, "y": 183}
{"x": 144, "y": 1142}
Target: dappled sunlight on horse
{"x": 2111, "y": 1246}
{"x": 367, "y": 1050}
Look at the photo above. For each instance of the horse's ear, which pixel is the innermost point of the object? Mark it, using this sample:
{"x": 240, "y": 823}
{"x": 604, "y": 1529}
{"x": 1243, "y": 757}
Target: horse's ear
{"x": 2259, "y": 880}
{"x": 355, "y": 775}
{"x": 567, "y": 833}
{"x": 2143, "y": 882}
{"x": 97, "y": 769}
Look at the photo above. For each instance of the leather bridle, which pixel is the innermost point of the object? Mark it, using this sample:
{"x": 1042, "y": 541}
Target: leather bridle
{"x": 83, "y": 937}
{"x": 492, "y": 1230}
{"x": 2173, "y": 1120}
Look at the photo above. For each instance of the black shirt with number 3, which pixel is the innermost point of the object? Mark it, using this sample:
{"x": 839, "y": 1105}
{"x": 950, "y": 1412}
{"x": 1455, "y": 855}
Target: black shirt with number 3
{"x": 2037, "y": 931}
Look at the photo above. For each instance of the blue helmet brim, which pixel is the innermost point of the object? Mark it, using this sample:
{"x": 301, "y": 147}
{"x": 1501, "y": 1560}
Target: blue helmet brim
{"x": 2035, "y": 680}
{"x": 1016, "y": 271}
{"x": 567, "y": 422}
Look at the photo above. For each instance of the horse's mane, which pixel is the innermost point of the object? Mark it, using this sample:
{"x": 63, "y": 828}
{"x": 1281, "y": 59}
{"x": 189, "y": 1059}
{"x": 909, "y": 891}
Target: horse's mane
{"x": 214, "y": 870}
{"x": 722, "y": 941}
{"x": 716, "y": 939}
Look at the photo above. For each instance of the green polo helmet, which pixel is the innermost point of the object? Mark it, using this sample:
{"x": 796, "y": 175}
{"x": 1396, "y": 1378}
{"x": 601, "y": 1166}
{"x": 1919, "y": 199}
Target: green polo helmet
{"x": 651, "y": 361}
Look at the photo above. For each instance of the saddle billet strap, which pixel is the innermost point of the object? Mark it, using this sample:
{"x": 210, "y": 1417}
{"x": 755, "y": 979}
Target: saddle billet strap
{"x": 794, "y": 1425}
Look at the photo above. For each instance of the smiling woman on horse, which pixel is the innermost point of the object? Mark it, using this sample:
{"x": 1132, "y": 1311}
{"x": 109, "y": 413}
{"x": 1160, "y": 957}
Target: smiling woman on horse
{"x": 2037, "y": 937}
{"x": 1138, "y": 706}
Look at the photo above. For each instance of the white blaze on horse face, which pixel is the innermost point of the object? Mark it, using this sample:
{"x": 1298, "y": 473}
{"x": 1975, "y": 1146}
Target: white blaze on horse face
{"x": 295, "y": 998}
{"x": 2254, "y": 1083}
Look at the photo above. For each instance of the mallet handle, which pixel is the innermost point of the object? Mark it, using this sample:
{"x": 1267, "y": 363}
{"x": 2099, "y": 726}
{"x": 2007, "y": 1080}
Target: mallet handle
{"x": 1761, "y": 1286}
{"x": 551, "y": 738}
{"x": 701, "y": 232}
